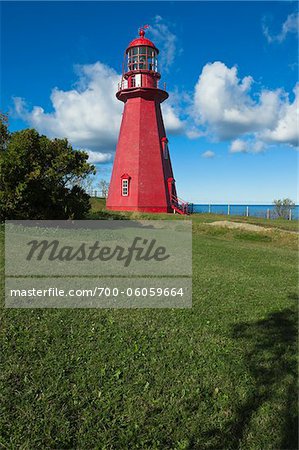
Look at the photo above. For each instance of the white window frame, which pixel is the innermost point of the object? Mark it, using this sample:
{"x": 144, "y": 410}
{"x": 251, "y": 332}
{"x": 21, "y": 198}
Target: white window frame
{"x": 125, "y": 187}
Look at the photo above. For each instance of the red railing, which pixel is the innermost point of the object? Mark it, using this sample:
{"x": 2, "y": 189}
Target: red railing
{"x": 179, "y": 205}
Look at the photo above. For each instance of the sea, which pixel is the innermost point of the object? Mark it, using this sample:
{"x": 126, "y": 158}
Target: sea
{"x": 265, "y": 211}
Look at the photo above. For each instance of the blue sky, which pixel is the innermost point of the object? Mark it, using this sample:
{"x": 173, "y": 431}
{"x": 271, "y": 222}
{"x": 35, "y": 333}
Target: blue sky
{"x": 230, "y": 68}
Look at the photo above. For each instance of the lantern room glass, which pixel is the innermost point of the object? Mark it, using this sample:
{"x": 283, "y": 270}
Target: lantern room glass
{"x": 142, "y": 58}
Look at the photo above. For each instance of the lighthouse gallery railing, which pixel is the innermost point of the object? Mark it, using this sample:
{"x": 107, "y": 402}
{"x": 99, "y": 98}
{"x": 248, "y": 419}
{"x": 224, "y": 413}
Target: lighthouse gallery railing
{"x": 138, "y": 83}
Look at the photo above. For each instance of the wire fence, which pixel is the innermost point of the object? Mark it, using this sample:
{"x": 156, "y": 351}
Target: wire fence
{"x": 262, "y": 211}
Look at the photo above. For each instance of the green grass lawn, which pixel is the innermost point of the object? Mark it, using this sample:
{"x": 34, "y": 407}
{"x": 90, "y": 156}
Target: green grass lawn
{"x": 222, "y": 375}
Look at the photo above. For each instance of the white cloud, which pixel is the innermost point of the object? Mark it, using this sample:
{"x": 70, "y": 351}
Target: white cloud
{"x": 224, "y": 106}
{"x": 289, "y": 26}
{"x": 165, "y": 40}
{"x": 89, "y": 115}
{"x": 208, "y": 154}
{"x": 238, "y": 146}
{"x": 97, "y": 157}
{"x": 173, "y": 123}
{"x": 286, "y": 129}
{"x": 193, "y": 133}
{"x": 258, "y": 147}
{"x": 248, "y": 146}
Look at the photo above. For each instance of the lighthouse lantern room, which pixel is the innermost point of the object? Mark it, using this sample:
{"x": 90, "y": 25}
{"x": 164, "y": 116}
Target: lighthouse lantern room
{"x": 142, "y": 177}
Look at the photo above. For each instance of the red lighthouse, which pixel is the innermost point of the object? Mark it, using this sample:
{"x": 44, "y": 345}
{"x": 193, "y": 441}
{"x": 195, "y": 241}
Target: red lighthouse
{"x": 142, "y": 177}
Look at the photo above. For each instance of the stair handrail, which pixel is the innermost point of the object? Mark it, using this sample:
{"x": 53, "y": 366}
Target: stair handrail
{"x": 180, "y": 203}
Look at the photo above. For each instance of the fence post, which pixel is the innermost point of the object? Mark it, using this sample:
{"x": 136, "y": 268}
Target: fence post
{"x": 228, "y": 210}
{"x": 95, "y": 193}
{"x": 268, "y": 213}
{"x": 210, "y": 209}
{"x": 290, "y": 214}
{"x": 247, "y": 211}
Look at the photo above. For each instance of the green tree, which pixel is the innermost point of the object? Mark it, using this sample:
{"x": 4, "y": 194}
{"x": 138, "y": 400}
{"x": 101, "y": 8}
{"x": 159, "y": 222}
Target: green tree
{"x": 283, "y": 206}
{"x": 39, "y": 177}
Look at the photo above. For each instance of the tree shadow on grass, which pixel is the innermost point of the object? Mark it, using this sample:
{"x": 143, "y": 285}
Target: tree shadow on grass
{"x": 270, "y": 358}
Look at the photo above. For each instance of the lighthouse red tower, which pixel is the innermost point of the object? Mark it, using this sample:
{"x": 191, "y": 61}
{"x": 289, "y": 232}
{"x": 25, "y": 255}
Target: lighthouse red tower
{"x": 142, "y": 177}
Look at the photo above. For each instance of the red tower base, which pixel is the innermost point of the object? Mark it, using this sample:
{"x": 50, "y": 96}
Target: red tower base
{"x": 142, "y": 167}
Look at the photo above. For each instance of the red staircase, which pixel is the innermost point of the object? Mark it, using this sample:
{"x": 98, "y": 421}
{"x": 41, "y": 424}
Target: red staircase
{"x": 179, "y": 205}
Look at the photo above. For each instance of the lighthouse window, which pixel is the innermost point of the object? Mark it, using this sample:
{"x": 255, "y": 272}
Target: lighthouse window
{"x": 142, "y": 62}
{"x": 135, "y": 65}
{"x": 133, "y": 81}
{"x": 124, "y": 187}
{"x": 142, "y": 58}
{"x": 165, "y": 148}
{"x": 150, "y": 64}
{"x": 166, "y": 151}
